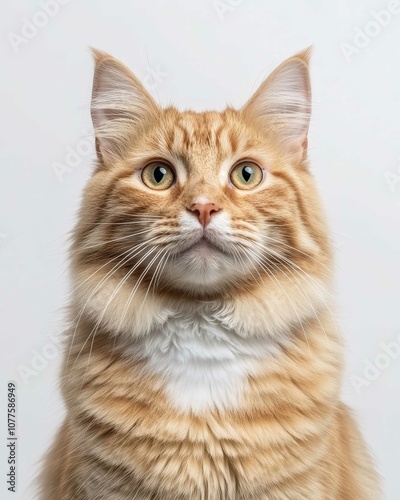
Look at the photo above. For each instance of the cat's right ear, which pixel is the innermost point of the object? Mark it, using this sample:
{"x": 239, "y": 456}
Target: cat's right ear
{"x": 120, "y": 106}
{"x": 282, "y": 104}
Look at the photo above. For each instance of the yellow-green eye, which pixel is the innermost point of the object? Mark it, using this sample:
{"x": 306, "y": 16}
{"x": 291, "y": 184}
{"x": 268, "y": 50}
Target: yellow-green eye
{"x": 246, "y": 175}
{"x": 158, "y": 175}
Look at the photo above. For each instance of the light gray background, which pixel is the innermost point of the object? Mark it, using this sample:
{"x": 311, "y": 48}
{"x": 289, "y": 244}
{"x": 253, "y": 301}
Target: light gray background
{"x": 198, "y": 54}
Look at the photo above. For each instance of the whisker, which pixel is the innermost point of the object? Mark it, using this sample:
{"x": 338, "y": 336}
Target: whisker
{"x": 162, "y": 269}
{"x": 115, "y": 211}
{"x": 316, "y": 286}
{"x": 281, "y": 257}
{"x": 121, "y": 238}
{"x": 303, "y": 294}
{"x": 247, "y": 267}
{"x": 132, "y": 293}
{"x": 132, "y": 222}
{"x": 297, "y": 250}
{"x": 271, "y": 274}
{"x": 102, "y": 281}
{"x": 121, "y": 283}
{"x": 165, "y": 250}
{"x": 104, "y": 265}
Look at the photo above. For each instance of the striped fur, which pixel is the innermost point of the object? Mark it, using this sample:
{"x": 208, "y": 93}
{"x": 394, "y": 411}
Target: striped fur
{"x": 203, "y": 370}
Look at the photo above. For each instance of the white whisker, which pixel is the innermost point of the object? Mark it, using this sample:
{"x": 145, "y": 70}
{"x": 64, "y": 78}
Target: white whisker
{"x": 132, "y": 254}
{"x": 123, "y": 280}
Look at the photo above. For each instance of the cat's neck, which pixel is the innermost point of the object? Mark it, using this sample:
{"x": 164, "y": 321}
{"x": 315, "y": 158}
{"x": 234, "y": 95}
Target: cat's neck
{"x": 204, "y": 364}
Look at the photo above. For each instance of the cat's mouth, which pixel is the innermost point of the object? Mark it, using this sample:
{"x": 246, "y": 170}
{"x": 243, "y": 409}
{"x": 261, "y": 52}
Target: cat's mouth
{"x": 203, "y": 246}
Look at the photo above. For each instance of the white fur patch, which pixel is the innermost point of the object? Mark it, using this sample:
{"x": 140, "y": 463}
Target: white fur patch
{"x": 202, "y": 200}
{"x": 204, "y": 365}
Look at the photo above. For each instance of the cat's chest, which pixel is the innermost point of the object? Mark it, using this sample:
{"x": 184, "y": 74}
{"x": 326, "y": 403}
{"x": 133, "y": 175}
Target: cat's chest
{"x": 202, "y": 364}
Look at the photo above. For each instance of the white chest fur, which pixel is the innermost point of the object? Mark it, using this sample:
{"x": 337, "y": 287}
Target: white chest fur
{"x": 203, "y": 364}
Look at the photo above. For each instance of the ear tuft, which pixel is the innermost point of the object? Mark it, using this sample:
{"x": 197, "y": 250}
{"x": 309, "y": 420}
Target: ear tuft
{"x": 120, "y": 106}
{"x": 282, "y": 104}
{"x": 99, "y": 55}
{"x": 305, "y": 55}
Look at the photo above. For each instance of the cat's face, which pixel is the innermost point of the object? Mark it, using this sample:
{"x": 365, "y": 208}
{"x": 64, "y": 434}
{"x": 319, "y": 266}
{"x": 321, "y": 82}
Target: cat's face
{"x": 199, "y": 203}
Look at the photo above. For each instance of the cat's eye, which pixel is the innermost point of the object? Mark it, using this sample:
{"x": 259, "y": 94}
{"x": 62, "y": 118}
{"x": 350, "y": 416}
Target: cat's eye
{"x": 158, "y": 175}
{"x": 246, "y": 175}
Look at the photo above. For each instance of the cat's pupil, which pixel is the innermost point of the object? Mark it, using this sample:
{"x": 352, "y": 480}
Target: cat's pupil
{"x": 159, "y": 173}
{"x": 247, "y": 173}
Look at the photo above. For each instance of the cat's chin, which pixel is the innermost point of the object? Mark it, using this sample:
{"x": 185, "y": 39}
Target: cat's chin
{"x": 202, "y": 268}
{"x": 203, "y": 250}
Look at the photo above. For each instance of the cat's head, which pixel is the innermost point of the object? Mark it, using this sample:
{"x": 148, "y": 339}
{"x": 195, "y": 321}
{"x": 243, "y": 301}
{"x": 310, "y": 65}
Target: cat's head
{"x": 195, "y": 204}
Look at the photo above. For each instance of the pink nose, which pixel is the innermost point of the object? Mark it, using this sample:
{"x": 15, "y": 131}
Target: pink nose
{"x": 204, "y": 211}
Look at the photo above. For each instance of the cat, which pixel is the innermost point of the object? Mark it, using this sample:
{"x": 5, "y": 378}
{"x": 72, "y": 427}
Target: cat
{"x": 203, "y": 360}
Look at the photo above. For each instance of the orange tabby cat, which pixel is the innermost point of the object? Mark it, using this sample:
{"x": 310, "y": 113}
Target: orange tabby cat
{"x": 203, "y": 361}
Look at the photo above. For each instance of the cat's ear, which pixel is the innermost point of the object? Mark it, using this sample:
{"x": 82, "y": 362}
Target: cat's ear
{"x": 120, "y": 106}
{"x": 282, "y": 104}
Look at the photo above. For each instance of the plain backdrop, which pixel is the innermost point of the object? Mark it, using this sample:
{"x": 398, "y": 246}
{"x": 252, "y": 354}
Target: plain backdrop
{"x": 200, "y": 54}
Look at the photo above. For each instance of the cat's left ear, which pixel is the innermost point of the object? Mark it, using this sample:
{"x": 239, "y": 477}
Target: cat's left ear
{"x": 120, "y": 107}
{"x": 282, "y": 104}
